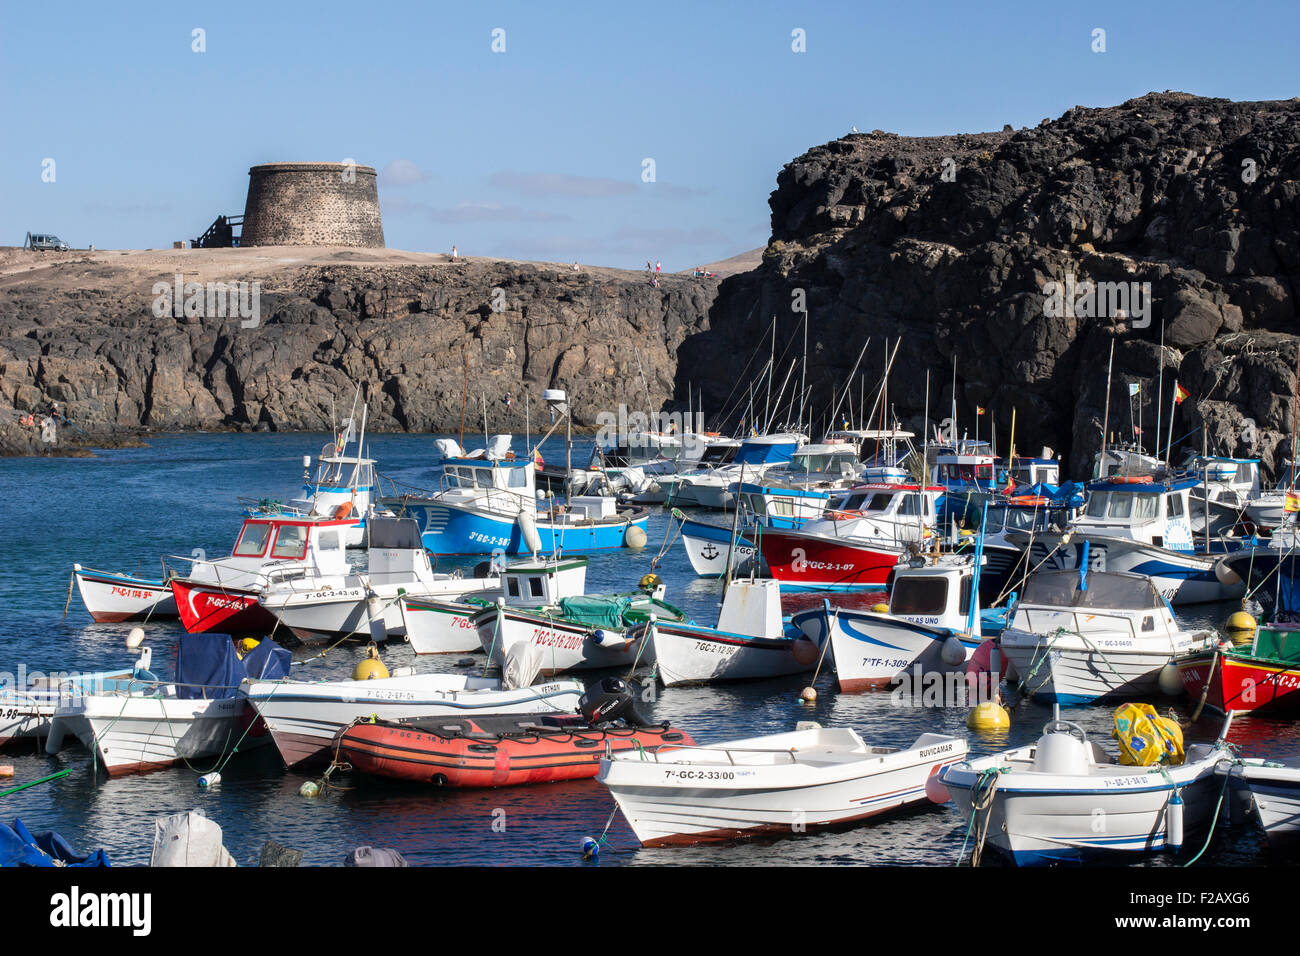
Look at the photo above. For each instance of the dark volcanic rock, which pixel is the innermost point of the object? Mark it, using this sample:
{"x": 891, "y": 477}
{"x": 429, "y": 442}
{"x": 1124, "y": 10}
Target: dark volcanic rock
{"x": 1198, "y": 197}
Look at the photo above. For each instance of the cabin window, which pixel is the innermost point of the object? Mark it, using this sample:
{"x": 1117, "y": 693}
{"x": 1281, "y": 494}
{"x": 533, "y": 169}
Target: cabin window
{"x": 984, "y": 472}
{"x": 518, "y": 478}
{"x": 995, "y": 521}
{"x": 512, "y": 587}
{"x": 965, "y": 594}
{"x": 911, "y": 505}
{"x": 879, "y": 502}
{"x": 919, "y": 595}
{"x": 252, "y": 541}
{"x": 853, "y": 502}
{"x": 290, "y": 542}
{"x": 1175, "y": 506}
{"x": 1097, "y": 504}
{"x": 329, "y": 541}
{"x": 1146, "y": 507}
{"x": 1121, "y": 506}
{"x": 535, "y": 587}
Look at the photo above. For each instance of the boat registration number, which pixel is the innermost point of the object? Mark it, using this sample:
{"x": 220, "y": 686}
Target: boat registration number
{"x": 488, "y": 539}
{"x": 545, "y": 637}
{"x": 1125, "y": 781}
{"x": 883, "y": 662}
{"x": 711, "y": 648}
{"x": 134, "y": 593}
{"x": 699, "y": 775}
{"x": 9, "y": 713}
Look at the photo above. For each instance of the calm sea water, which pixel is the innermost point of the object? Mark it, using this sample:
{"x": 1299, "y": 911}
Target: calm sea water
{"x": 125, "y": 508}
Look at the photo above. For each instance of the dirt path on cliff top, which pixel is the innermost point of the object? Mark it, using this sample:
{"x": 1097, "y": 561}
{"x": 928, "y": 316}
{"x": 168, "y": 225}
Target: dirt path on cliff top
{"x": 107, "y": 267}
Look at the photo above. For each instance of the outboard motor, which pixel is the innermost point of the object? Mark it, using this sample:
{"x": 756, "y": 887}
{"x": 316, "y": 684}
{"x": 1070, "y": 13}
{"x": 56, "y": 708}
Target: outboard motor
{"x": 610, "y": 700}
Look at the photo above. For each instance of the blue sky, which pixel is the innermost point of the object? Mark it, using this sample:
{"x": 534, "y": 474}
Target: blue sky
{"x": 538, "y": 152}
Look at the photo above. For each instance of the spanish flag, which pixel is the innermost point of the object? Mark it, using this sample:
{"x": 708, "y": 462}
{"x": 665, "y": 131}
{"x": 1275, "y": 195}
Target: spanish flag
{"x": 979, "y": 410}
{"x": 1292, "y": 502}
{"x": 1180, "y": 393}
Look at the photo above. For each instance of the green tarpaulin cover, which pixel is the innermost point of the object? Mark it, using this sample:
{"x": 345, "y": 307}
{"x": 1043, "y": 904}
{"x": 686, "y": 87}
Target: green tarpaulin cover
{"x": 595, "y": 611}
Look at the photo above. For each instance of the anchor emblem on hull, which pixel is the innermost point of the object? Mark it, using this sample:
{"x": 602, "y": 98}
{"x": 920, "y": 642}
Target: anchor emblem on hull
{"x": 710, "y": 552}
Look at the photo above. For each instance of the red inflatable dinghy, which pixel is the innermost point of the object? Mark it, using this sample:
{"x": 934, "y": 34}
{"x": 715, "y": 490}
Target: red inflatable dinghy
{"x": 493, "y": 751}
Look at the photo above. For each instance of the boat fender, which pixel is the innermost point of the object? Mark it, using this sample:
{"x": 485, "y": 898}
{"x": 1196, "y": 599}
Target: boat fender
{"x": 634, "y": 537}
{"x": 934, "y": 788}
{"x": 953, "y": 651}
{"x": 209, "y": 780}
{"x": 1170, "y": 680}
{"x": 143, "y": 673}
{"x": 378, "y": 629}
{"x": 1174, "y": 822}
{"x": 135, "y": 637}
{"x": 343, "y": 510}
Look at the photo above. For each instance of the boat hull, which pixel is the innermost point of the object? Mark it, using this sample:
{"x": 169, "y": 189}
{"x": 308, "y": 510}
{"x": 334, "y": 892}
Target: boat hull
{"x": 880, "y": 652}
{"x": 1060, "y": 818}
{"x": 565, "y": 646}
{"x": 707, "y": 547}
{"x": 304, "y": 718}
{"x": 1240, "y": 684}
{"x": 816, "y": 562}
{"x": 1275, "y": 793}
{"x": 700, "y": 796}
{"x": 440, "y": 627}
{"x": 112, "y": 598}
{"x": 693, "y": 654}
{"x": 208, "y": 609}
{"x": 402, "y": 752}
{"x": 448, "y": 528}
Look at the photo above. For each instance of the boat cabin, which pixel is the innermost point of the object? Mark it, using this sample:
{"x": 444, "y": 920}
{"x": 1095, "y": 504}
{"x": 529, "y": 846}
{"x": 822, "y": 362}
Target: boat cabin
{"x": 1154, "y": 512}
{"x": 1029, "y": 471}
{"x": 938, "y": 595}
{"x": 822, "y": 461}
{"x": 298, "y": 545}
{"x": 543, "y": 583}
{"x": 1236, "y": 474}
{"x": 895, "y": 501}
{"x": 1096, "y": 601}
{"x": 340, "y": 480}
{"x": 396, "y": 552}
{"x": 964, "y": 472}
{"x": 476, "y": 477}
{"x": 766, "y": 450}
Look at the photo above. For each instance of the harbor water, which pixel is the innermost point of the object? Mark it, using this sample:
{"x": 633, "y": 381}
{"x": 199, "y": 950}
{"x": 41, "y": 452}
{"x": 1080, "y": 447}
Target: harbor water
{"x": 126, "y": 508}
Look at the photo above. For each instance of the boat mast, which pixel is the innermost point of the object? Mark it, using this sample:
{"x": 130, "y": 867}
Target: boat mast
{"x": 1105, "y": 422}
{"x": 1160, "y": 393}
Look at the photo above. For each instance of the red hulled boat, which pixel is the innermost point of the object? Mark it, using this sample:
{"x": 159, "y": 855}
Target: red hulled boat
{"x": 493, "y": 751}
{"x": 1260, "y": 677}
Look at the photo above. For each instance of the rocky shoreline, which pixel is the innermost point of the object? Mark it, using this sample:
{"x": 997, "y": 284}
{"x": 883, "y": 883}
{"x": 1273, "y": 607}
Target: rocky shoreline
{"x": 949, "y": 242}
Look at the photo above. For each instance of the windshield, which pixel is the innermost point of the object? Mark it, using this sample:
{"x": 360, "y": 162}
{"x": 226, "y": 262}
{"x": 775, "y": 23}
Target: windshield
{"x": 919, "y": 595}
{"x": 252, "y": 541}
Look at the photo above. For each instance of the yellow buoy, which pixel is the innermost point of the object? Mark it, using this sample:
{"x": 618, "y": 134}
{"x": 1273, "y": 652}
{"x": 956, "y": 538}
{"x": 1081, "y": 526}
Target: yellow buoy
{"x": 1241, "y": 628}
{"x": 649, "y": 581}
{"x": 881, "y": 608}
{"x": 988, "y": 717}
{"x": 242, "y": 647}
{"x": 809, "y": 695}
{"x": 370, "y": 667}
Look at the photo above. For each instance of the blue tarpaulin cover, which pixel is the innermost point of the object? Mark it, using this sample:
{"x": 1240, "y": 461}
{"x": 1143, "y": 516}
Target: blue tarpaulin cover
{"x": 19, "y": 847}
{"x": 268, "y": 661}
{"x": 207, "y": 667}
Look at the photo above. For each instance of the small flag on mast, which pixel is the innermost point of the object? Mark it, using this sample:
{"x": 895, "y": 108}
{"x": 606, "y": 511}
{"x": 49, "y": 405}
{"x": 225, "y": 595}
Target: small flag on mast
{"x": 1180, "y": 394}
{"x": 1134, "y": 388}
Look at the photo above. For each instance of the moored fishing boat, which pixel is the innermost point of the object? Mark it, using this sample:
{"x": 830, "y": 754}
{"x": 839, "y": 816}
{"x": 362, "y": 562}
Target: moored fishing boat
{"x": 1066, "y": 799}
{"x": 147, "y": 725}
{"x": 780, "y": 783}
{"x": 26, "y": 712}
{"x": 1260, "y": 676}
{"x": 1079, "y": 637}
{"x": 303, "y": 717}
{"x": 444, "y": 625}
{"x": 749, "y": 641}
{"x": 858, "y": 542}
{"x": 113, "y": 597}
{"x": 1274, "y": 785}
{"x": 579, "y": 632}
{"x": 224, "y": 594}
{"x": 932, "y": 625}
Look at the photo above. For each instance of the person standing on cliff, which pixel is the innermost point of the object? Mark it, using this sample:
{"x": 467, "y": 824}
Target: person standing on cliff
{"x": 453, "y": 253}
{"x": 659, "y": 267}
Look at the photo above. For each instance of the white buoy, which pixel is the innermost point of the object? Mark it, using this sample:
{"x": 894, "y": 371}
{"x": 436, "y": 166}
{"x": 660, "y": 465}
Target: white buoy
{"x": 634, "y": 537}
{"x": 309, "y": 789}
{"x": 209, "y": 779}
{"x": 135, "y": 637}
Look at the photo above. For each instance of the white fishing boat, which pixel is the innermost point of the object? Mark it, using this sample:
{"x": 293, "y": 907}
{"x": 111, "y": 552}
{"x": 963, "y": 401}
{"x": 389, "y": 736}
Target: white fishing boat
{"x": 883, "y": 453}
{"x": 1268, "y": 508}
{"x": 26, "y": 711}
{"x": 444, "y": 625}
{"x": 147, "y": 725}
{"x": 112, "y": 596}
{"x": 578, "y": 632}
{"x": 932, "y": 625}
{"x": 1079, "y": 638}
{"x": 303, "y": 717}
{"x": 781, "y": 783}
{"x": 1274, "y": 786}
{"x": 1066, "y": 799}
{"x": 318, "y": 608}
{"x": 749, "y": 641}
{"x": 1138, "y": 525}
{"x": 1224, "y": 488}
{"x": 676, "y": 489}
{"x": 711, "y": 487}
{"x": 709, "y": 546}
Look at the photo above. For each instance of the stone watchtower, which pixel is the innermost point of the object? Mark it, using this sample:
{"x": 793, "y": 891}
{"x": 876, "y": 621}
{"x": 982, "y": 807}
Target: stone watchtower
{"x": 312, "y": 204}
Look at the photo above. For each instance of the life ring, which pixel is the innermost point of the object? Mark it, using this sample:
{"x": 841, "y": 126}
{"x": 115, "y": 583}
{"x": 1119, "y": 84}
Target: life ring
{"x": 835, "y": 515}
{"x": 1131, "y": 479}
{"x": 343, "y": 510}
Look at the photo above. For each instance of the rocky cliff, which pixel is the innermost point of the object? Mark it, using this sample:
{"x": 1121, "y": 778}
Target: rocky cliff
{"x": 951, "y": 243}
{"x": 84, "y": 333}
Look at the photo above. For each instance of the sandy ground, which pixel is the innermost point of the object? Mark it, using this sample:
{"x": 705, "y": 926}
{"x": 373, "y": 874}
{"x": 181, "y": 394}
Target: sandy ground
{"x": 76, "y": 268}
